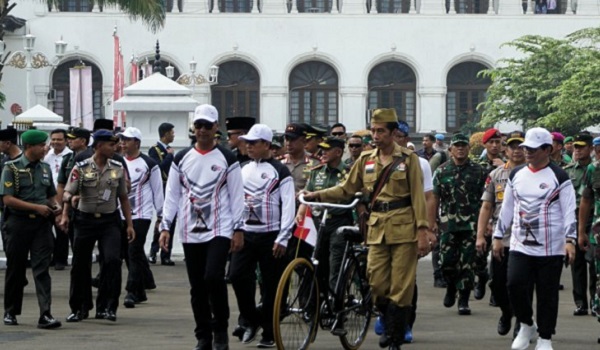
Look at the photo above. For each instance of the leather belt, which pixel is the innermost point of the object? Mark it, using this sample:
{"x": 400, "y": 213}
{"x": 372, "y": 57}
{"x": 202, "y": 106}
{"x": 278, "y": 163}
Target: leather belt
{"x": 382, "y": 207}
{"x": 95, "y": 215}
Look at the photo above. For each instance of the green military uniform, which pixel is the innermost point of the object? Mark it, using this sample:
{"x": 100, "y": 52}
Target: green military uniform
{"x": 321, "y": 177}
{"x": 459, "y": 189}
{"x": 28, "y": 232}
{"x": 96, "y": 219}
{"x": 592, "y": 192}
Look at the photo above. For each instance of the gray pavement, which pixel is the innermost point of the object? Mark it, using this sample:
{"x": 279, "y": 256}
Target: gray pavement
{"x": 166, "y": 322}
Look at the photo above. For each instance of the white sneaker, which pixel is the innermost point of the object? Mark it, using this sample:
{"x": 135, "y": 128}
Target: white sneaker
{"x": 543, "y": 344}
{"x": 525, "y": 335}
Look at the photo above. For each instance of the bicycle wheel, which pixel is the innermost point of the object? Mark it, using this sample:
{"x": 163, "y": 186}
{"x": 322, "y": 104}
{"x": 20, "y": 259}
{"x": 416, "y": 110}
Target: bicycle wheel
{"x": 296, "y": 311}
{"x": 357, "y": 304}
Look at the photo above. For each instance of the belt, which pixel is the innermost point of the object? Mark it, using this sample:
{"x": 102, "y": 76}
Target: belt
{"x": 26, "y": 215}
{"x": 95, "y": 215}
{"x": 387, "y": 206}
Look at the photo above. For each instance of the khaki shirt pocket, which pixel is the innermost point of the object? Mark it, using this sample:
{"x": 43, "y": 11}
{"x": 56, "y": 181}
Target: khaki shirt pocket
{"x": 400, "y": 227}
{"x": 398, "y": 182}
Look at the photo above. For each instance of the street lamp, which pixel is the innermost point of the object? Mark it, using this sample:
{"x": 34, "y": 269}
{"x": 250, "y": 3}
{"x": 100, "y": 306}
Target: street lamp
{"x": 28, "y": 59}
{"x": 192, "y": 79}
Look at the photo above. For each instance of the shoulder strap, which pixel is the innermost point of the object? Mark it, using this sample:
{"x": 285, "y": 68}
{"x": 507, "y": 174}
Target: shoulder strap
{"x": 159, "y": 152}
{"x": 13, "y": 167}
{"x": 385, "y": 176}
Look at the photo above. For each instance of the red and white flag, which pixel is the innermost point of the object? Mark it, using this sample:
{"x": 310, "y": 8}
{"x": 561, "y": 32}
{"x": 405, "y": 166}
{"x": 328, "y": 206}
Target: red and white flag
{"x": 118, "y": 80}
{"x": 306, "y": 230}
{"x": 80, "y": 84}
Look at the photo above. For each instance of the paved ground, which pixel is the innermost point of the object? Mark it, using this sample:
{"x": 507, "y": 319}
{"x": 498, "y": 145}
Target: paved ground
{"x": 165, "y": 321}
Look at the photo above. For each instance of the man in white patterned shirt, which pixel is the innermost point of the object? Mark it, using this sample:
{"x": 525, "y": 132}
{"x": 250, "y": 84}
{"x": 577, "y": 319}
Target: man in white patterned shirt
{"x": 206, "y": 192}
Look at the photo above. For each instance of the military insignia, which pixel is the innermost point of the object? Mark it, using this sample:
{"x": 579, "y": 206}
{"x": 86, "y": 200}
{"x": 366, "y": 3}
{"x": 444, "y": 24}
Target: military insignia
{"x": 74, "y": 175}
{"x": 113, "y": 174}
{"x": 499, "y": 187}
{"x": 370, "y": 166}
{"x": 401, "y": 167}
{"x": 500, "y": 196}
{"x": 8, "y": 184}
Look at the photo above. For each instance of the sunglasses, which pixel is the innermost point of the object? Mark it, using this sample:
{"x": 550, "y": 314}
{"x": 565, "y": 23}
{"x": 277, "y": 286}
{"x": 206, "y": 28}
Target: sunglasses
{"x": 338, "y": 133}
{"x": 355, "y": 145}
{"x": 203, "y": 124}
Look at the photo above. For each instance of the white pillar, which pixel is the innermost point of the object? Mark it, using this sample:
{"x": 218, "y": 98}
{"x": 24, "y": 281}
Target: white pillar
{"x": 510, "y": 7}
{"x": 431, "y": 114}
{"x": 452, "y": 10}
{"x": 432, "y": 7}
{"x": 353, "y": 104}
{"x": 294, "y": 7}
{"x": 530, "y": 7}
{"x": 274, "y": 6}
{"x": 491, "y": 10}
{"x": 215, "y": 8}
{"x": 412, "y": 8}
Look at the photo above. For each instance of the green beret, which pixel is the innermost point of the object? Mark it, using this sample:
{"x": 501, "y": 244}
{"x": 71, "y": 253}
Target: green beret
{"x": 459, "y": 138}
{"x": 569, "y": 139}
{"x": 34, "y": 137}
{"x": 384, "y": 115}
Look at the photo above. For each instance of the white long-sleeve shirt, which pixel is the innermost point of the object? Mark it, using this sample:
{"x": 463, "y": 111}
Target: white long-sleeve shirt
{"x": 55, "y": 161}
{"x": 146, "y": 195}
{"x": 206, "y": 192}
{"x": 269, "y": 203}
{"x": 540, "y": 205}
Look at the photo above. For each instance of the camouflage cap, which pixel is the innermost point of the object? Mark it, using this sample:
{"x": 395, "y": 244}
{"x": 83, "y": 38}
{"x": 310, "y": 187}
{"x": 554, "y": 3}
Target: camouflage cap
{"x": 384, "y": 115}
{"x": 459, "y": 138}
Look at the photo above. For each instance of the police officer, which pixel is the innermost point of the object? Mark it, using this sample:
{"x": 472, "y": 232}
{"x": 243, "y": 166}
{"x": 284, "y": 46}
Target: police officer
{"x": 297, "y": 160}
{"x": 236, "y": 127}
{"x": 29, "y": 198}
{"x": 398, "y": 226}
{"x": 98, "y": 182}
{"x": 457, "y": 186}
{"x": 327, "y": 175}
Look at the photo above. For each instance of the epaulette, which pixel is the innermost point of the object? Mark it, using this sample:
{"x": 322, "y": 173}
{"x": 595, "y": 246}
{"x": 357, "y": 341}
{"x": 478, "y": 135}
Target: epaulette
{"x": 83, "y": 163}
{"x": 318, "y": 166}
{"x": 13, "y": 161}
{"x": 366, "y": 153}
{"x": 407, "y": 151}
{"x": 570, "y": 165}
{"x": 114, "y": 162}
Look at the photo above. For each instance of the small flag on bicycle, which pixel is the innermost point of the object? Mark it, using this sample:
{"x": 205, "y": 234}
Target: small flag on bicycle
{"x": 306, "y": 230}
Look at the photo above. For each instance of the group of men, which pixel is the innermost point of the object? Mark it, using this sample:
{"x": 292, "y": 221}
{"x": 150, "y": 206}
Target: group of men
{"x": 241, "y": 204}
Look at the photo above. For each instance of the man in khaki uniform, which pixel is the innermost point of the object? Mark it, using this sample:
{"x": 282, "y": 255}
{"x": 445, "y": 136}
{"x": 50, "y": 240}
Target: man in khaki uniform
{"x": 398, "y": 225}
{"x": 296, "y": 159}
{"x": 98, "y": 181}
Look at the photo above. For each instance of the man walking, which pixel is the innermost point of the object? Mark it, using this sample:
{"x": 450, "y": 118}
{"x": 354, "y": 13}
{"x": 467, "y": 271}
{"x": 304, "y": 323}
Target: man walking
{"x": 205, "y": 190}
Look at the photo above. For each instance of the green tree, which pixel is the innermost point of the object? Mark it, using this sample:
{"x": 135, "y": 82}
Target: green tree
{"x": 553, "y": 84}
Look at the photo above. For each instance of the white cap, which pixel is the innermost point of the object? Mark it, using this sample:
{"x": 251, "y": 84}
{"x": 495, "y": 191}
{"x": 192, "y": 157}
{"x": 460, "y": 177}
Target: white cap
{"x": 132, "y": 133}
{"x": 206, "y": 112}
{"x": 536, "y": 137}
{"x": 258, "y": 132}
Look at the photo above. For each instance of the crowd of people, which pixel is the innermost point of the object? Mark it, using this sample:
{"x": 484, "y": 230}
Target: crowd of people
{"x": 526, "y": 201}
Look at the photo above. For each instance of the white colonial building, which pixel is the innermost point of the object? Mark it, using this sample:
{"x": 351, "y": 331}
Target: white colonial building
{"x": 315, "y": 61}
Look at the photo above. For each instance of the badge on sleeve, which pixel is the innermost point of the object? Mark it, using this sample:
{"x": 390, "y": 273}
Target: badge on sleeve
{"x": 74, "y": 175}
{"x": 370, "y": 166}
{"x": 8, "y": 184}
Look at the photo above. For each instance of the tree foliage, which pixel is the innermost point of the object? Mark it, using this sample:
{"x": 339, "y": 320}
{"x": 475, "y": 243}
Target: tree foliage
{"x": 554, "y": 84}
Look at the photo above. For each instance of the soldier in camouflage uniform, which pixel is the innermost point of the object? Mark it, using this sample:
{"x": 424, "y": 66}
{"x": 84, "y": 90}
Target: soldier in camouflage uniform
{"x": 577, "y": 171}
{"x": 492, "y": 141}
{"x": 458, "y": 185}
{"x": 590, "y": 198}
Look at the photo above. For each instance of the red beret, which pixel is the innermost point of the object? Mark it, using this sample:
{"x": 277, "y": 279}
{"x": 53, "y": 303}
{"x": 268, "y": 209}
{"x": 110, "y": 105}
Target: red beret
{"x": 491, "y": 133}
{"x": 558, "y": 137}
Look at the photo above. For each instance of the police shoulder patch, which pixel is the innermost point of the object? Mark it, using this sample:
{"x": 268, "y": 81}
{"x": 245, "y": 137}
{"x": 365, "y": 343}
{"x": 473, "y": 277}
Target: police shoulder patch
{"x": 115, "y": 163}
{"x": 8, "y": 184}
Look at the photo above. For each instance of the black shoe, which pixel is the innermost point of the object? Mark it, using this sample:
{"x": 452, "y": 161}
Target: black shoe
{"x": 10, "y": 320}
{"x": 46, "y": 321}
{"x": 580, "y": 311}
{"x": 440, "y": 283}
{"x": 463, "y": 302}
{"x": 249, "y": 334}
{"x": 95, "y": 282}
{"x": 167, "y": 262}
{"x": 110, "y": 315}
{"x": 450, "y": 297}
{"x": 493, "y": 301}
{"x": 504, "y": 324}
{"x": 26, "y": 282}
{"x": 238, "y": 332}
{"x": 561, "y": 287}
{"x": 129, "y": 301}
{"x": 480, "y": 287}
{"x": 59, "y": 266}
{"x": 221, "y": 341}
{"x": 100, "y": 315}
{"x": 265, "y": 343}
{"x": 77, "y": 316}
{"x": 203, "y": 344}
{"x": 384, "y": 340}
{"x": 152, "y": 259}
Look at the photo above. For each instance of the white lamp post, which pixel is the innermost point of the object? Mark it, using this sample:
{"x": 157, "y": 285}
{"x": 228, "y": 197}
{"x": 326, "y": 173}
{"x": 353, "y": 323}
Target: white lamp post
{"x": 192, "y": 79}
{"x": 28, "y": 60}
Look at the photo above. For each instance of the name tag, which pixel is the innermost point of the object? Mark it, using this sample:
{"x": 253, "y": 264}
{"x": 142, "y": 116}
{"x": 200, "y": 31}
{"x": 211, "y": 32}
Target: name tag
{"x": 106, "y": 195}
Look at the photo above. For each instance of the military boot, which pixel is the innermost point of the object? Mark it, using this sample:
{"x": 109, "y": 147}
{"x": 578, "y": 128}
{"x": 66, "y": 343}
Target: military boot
{"x": 384, "y": 340}
{"x": 397, "y": 319}
{"x": 463, "y": 302}
{"x": 450, "y": 297}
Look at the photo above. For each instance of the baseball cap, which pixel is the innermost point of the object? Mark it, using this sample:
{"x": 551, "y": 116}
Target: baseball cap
{"x": 459, "y": 138}
{"x": 206, "y": 112}
{"x": 596, "y": 141}
{"x": 439, "y": 137}
{"x": 515, "y": 136}
{"x": 583, "y": 140}
{"x": 491, "y": 134}
{"x": 258, "y": 132}
{"x": 558, "y": 137}
{"x": 132, "y": 133}
{"x": 537, "y": 137}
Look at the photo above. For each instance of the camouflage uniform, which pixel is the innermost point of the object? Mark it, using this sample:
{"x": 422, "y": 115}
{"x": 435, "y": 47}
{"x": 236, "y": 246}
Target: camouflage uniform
{"x": 459, "y": 188}
{"x": 592, "y": 192}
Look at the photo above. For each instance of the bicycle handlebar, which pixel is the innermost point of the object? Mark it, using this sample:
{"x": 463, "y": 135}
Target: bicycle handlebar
{"x": 330, "y": 205}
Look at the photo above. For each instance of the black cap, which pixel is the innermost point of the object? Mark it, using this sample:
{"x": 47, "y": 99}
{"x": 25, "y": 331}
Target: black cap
{"x": 583, "y": 140}
{"x": 516, "y": 135}
{"x": 78, "y": 132}
{"x": 315, "y": 131}
{"x": 295, "y": 130}
{"x": 331, "y": 142}
{"x": 103, "y": 124}
{"x": 8, "y": 134}
{"x": 104, "y": 135}
{"x": 243, "y": 123}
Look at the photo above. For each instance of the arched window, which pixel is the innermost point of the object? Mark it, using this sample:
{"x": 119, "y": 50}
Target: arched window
{"x": 238, "y": 91}
{"x": 466, "y": 90}
{"x": 468, "y": 6}
{"x": 393, "y": 6}
{"x": 75, "y": 6}
{"x": 393, "y": 85}
{"x": 60, "y": 90}
{"x": 314, "y": 94}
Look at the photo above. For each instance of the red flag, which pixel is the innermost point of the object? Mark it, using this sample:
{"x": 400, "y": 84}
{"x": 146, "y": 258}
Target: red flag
{"x": 306, "y": 230}
{"x": 116, "y": 77}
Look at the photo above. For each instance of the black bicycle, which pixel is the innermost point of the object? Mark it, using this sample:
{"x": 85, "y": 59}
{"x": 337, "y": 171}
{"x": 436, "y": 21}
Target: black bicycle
{"x": 346, "y": 312}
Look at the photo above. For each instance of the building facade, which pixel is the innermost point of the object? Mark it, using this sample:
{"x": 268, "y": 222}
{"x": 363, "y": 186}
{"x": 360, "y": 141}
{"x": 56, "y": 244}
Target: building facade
{"x": 315, "y": 61}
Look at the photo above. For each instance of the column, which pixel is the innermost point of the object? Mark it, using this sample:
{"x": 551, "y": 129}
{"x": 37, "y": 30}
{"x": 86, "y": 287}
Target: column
{"x": 452, "y": 10}
{"x": 491, "y": 9}
{"x": 215, "y": 8}
{"x": 274, "y": 102}
{"x": 294, "y": 7}
{"x": 412, "y": 8}
{"x": 431, "y": 113}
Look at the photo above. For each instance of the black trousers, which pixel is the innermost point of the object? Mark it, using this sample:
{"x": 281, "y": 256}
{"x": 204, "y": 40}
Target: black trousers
{"x": 140, "y": 276}
{"x": 205, "y": 264}
{"x": 581, "y": 268}
{"x": 258, "y": 249}
{"x": 155, "y": 246}
{"x": 26, "y": 236}
{"x": 107, "y": 232}
{"x": 544, "y": 272}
